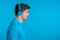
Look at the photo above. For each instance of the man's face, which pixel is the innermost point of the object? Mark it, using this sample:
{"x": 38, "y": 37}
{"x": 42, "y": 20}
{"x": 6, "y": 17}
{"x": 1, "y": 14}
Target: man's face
{"x": 25, "y": 14}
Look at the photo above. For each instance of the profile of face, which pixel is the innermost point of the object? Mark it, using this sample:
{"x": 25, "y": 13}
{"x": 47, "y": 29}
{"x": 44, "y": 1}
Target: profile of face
{"x": 25, "y": 14}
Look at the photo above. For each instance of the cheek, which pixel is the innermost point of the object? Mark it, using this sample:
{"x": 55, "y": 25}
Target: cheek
{"x": 24, "y": 15}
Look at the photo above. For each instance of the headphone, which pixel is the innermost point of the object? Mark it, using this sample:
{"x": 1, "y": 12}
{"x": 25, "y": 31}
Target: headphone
{"x": 19, "y": 12}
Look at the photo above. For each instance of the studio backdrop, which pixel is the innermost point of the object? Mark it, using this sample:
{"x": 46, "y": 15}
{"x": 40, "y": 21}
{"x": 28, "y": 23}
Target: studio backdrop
{"x": 42, "y": 24}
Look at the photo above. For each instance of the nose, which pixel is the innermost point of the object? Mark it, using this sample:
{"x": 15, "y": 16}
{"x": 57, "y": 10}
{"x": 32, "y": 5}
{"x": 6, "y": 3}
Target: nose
{"x": 28, "y": 14}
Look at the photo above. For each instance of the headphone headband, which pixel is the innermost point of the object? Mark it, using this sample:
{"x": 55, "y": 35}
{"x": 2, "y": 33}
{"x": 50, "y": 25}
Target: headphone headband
{"x": 19, "y": 12}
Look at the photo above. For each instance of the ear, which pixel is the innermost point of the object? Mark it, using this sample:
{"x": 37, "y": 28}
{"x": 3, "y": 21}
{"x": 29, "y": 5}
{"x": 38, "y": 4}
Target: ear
{"x": 19, "y": 13}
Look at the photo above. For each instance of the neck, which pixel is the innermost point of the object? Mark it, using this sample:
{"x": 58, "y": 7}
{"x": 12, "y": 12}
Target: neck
{"x": 20, "y": 18}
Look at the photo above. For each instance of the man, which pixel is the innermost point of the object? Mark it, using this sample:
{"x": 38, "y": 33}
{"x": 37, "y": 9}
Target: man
{"x": 15, "y": 30}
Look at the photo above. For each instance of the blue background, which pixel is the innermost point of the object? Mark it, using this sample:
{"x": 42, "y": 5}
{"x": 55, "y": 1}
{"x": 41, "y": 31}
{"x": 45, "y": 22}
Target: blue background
{"x": 42, "y": 24}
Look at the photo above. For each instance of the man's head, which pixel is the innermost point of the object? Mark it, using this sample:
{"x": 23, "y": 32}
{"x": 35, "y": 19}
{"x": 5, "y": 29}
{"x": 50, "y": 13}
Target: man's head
{"x": 23, "y": 9}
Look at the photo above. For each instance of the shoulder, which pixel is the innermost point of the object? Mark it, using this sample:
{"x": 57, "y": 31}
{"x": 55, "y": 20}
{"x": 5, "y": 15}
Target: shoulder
{"x": 13, "y": 25}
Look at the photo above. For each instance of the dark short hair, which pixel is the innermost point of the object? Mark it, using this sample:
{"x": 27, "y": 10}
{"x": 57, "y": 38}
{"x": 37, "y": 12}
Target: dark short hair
{"x": 22, "y": 8}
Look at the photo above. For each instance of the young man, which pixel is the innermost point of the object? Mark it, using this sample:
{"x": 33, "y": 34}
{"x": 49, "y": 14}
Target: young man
{"x": 15, "y": 30}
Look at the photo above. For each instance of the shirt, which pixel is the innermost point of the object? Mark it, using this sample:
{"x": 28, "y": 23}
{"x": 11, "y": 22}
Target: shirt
{"x": 15, "y": 31}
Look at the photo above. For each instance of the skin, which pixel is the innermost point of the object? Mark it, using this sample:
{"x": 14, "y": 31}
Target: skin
{"x": 24, "y": 15}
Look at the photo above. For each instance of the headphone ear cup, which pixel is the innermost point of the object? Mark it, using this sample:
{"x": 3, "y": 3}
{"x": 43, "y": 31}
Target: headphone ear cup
{"x": 19, "y": 13}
